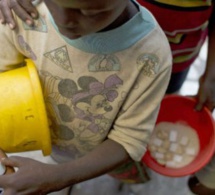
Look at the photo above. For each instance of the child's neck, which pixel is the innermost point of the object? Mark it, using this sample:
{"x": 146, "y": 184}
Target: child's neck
{"x": 130, "y": 10}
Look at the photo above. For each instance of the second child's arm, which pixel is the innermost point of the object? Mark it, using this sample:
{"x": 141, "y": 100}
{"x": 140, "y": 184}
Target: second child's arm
{"x": 206, "y": 93}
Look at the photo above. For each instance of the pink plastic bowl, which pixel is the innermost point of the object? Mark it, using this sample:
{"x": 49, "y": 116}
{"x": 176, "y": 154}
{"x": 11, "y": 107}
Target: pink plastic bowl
{"x": 176, "y": 108}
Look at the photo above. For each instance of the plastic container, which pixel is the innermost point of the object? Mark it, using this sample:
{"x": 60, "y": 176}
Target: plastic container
{"x": 175, "y": 108}
{"x": 23, "y": 118}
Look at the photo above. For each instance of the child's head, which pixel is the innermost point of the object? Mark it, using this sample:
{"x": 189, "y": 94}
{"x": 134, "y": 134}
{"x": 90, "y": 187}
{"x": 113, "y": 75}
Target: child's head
{"x": 76, "y": 18}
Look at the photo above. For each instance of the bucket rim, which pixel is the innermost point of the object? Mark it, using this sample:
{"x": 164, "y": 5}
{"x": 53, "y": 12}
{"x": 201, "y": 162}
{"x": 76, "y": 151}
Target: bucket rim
{"x": 39, "y": 99}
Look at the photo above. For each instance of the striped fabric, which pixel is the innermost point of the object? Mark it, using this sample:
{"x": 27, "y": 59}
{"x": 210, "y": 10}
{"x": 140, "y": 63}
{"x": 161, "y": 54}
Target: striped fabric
{"x": 185, "y": 3}
{"x": 185, "y": 23}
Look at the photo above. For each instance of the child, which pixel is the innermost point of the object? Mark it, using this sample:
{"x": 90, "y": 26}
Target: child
{"x": 103, "y": 75}
{"x": 186, "y": 37}
{"x": 187, "y": 24}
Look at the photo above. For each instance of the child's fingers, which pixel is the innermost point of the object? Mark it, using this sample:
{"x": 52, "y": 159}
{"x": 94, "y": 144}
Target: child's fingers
{"x": 11, "y": 161}
{"x": 23, "y": 10}
{"x": 28, "y": 7}
{"x": 23, "y": 15}
{"x": 2, "y": 20}
{"x": 7, "y": 14}
{"x": 8, "y": 168}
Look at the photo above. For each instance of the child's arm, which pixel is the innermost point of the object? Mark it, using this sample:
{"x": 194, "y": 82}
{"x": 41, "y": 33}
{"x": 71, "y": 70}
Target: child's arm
{"x": 34, "y": 177}
{"x": 206, "y": 92}
{"x": 22, "y": 8}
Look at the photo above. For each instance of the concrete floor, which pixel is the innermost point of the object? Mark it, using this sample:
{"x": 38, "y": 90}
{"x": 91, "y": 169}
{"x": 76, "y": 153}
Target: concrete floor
{"x": 159, "y": 185}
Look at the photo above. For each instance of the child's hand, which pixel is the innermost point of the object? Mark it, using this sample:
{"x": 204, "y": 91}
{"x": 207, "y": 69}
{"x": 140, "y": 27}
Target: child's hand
{"x": 24, "y": 9}
{"x": 9, "y": 169}
{"x": 31, "y": 177}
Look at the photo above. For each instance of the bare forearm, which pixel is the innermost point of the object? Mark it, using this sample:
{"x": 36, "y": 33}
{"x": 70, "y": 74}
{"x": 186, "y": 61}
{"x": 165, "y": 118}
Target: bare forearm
{"x": 103, "y": 159}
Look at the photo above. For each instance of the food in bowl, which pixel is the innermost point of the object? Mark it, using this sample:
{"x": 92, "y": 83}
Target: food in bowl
{"x": 174, "y": 145}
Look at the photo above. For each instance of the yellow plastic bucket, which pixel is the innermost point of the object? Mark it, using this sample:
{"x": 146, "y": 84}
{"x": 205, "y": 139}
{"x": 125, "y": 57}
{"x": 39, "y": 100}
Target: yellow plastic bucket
{"x": 23, "y": 119}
